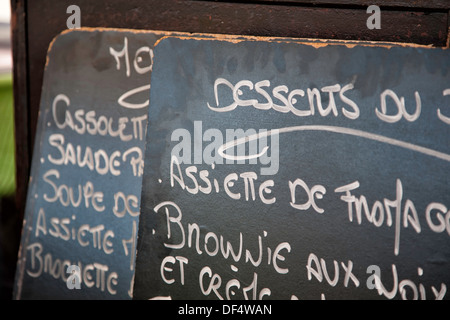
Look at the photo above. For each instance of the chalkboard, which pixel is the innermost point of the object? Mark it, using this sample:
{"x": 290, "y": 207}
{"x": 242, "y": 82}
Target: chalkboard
{"x": 281, "y": 170}
{"x": 82, "y": 211}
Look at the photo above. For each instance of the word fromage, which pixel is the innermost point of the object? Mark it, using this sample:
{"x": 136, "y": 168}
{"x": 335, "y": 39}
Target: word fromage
{"x": 404, "y": 213}
{"x": 99, "y": 161}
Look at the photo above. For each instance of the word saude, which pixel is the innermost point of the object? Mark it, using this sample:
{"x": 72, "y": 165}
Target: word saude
{"x": 99, "y": 160}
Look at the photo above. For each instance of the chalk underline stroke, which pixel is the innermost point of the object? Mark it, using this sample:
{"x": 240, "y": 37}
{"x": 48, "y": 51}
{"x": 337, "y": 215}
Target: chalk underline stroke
{"x": 334, "y": 129}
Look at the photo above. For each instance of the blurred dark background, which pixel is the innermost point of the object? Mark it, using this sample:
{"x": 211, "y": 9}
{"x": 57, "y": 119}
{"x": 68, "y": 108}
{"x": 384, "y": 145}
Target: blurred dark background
{"x": 9, "y": 219}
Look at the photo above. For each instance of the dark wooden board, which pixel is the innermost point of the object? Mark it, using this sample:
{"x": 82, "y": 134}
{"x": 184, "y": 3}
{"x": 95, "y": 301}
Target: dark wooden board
{"x": 346, "y": 190}
{"x": 84, "y": 195}
{"x": 427, "y": 4}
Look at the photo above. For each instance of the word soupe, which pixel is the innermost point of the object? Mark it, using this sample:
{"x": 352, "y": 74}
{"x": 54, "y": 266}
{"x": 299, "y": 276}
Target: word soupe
{"x": 179, "y": 235}
{"x": 86, "y": 195}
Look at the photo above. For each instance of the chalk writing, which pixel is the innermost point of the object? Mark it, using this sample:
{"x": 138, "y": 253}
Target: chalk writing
{"x": 85, "y": 195}
{"x": 138, "y": 59}
{"x": 290, "y": 99}
{"x": 399, "y": 212}
{"x": 356, "y": 203}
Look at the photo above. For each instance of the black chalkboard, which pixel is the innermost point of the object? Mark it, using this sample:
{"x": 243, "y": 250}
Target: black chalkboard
{"x": 84, "y": 195}
{"x": 278, "y": 170}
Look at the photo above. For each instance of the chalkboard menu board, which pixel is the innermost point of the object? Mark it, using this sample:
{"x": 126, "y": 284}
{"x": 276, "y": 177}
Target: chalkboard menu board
{"x": 278, "y": 170}
{"x": 82, "y": 212}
